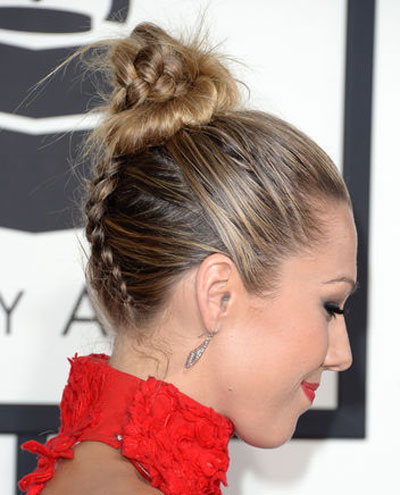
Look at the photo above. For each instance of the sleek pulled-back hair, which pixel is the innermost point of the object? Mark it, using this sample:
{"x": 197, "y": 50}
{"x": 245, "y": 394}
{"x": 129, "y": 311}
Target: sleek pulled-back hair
{"x": 180, "y": 171}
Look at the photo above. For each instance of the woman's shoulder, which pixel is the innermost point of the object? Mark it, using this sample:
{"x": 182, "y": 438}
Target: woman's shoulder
{"x": 97, "y": 469}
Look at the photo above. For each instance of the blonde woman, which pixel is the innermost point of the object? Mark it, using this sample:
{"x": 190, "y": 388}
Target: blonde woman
{"x": 223, "y": 250}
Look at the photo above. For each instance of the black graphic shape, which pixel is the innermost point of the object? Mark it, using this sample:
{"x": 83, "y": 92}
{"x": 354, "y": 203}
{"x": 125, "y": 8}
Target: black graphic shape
{"x": 65, "y": 93}
{"x": 43, "y": 20}
{"x": 78, "y": 319}
{"x": 29, "y": 418}
{"x": 118, "y": 11}
{"x": 8, "y": 310}
{"x": 38, "y": 189}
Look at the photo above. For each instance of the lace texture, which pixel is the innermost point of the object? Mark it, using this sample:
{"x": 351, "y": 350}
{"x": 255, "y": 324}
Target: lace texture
{"x": 179, "y": 445}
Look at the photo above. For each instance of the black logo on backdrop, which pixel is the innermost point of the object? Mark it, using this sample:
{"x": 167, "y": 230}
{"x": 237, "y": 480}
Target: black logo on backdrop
{"x": 37, "y": 188}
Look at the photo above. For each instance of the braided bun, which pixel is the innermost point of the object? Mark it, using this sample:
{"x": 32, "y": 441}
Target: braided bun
{"x": 160, "y": 85}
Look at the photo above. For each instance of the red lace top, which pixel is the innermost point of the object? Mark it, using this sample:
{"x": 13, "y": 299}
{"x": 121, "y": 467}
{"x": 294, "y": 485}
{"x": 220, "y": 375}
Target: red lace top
{"x": 179, "y": 445}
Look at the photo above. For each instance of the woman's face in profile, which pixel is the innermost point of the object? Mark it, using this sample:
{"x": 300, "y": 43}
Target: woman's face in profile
{"x": 268, "y": 347}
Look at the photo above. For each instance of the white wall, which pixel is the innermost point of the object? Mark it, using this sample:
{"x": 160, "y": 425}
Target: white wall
{"x": 295, "y": 52}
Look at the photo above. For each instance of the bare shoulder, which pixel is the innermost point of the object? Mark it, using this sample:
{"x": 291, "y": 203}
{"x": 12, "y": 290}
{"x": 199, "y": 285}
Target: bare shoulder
{"x": 97, "y": 469}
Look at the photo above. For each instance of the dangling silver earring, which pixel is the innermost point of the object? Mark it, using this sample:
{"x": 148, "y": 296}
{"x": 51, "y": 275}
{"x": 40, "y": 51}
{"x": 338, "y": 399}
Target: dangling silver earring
{"x": 195, "y": 355}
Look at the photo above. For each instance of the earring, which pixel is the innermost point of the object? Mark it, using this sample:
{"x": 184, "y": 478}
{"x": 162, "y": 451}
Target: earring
{"x": 195, "y": 355}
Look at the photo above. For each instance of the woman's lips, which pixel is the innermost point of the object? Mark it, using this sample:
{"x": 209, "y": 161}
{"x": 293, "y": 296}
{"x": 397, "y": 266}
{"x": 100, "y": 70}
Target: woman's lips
{"x": 309, "y": 389}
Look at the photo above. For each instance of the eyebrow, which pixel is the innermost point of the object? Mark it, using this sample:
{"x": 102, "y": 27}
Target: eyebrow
{"x": 354, "y": 284}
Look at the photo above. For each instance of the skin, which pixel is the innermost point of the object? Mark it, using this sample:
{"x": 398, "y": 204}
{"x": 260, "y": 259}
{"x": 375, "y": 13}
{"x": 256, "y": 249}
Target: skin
{"x": 97, "y": 469}
{"x": 253, "y": 368}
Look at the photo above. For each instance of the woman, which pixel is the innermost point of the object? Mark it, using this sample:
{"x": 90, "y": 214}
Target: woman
{"x": 223, "y": 250}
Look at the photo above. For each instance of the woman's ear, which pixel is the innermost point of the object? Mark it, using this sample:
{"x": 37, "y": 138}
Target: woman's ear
{"x": 215, "y": 282}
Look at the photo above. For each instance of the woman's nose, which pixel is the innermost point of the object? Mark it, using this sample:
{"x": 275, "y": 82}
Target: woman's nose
{"x": 339, "y": 356}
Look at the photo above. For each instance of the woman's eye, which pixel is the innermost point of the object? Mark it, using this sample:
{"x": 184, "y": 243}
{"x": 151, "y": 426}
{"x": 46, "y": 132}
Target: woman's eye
{"x": 333, "y": 310}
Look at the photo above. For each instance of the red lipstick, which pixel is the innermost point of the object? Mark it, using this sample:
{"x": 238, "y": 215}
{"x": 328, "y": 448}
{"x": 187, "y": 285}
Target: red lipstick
{"x": 309, "y": 389}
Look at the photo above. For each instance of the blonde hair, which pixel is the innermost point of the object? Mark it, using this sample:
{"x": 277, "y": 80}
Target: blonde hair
{"x": 180, "y": 171}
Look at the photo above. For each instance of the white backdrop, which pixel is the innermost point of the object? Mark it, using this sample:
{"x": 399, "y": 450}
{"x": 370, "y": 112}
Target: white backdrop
{"x": 295, "y": 56}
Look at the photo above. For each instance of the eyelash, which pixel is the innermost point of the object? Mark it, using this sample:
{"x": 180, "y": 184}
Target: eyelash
{"x": 333, "y": 310}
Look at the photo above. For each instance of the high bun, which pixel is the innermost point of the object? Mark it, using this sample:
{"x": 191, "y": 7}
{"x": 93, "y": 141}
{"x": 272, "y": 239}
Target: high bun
{"x": 179, "y": 172}
{"x": 161, "y": 85}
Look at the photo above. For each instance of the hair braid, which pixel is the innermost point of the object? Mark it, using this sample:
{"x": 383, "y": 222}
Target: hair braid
{"x": 100, "y": 190}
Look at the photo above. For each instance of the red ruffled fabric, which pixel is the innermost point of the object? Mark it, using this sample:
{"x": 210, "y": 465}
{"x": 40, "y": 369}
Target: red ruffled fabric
{"x": 179, "y": 445}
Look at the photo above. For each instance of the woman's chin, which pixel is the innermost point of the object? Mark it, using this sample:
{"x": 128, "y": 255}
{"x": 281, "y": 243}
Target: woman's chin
{"x": 267, "y": 439}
